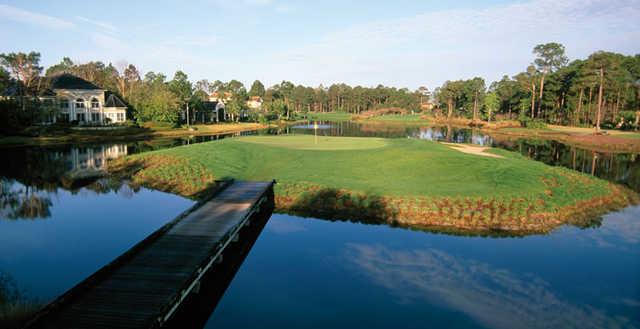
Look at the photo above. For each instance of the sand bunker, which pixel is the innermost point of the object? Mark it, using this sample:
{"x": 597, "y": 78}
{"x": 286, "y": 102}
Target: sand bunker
{"x": 473, "y": 149}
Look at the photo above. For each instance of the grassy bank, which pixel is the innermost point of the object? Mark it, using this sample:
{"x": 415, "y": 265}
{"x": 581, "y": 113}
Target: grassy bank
{"x": 65, "y": 135}
{"x": 397, "y": 181}
{"x": 399, "y": 118}
{"x": 328, "y": 116}
{"x": 608, "y": 141}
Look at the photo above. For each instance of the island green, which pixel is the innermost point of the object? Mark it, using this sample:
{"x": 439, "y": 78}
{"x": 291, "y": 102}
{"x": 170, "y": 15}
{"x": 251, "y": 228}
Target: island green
{"x": 399, "y": 181}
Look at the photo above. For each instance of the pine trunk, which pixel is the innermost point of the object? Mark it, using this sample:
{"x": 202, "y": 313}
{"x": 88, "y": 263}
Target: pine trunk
{"x": 579, "y": 109}
{"x": 533, "y": 99}
{"x": 540, "y": 98}
{"x": 600, "y": 90}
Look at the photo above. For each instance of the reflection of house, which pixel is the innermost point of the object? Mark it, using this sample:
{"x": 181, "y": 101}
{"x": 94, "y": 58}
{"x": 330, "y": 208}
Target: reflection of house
{"x": 86, "y": 161}
{"x": 254, "y": 102}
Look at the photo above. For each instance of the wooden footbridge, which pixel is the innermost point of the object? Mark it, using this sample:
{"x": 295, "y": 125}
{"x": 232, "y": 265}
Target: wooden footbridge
{"x": 148, "y": 284}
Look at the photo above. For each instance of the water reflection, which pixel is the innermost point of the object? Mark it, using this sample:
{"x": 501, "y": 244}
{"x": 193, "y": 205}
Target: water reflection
{"x": 381, "y": 277}
{"x": 312, "y": 126}
{"x": 15, "y": 304}
{"x": 494, "y": 297}
{"x": 621, "y": 232}
{"x": 86, "y": 228}
{"x": 33, "y": 176}
{"x": 20, "y": 201}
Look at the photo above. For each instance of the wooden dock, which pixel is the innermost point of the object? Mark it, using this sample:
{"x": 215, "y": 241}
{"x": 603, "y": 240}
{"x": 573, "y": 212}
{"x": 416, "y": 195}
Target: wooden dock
{"x": 144, "y": 287}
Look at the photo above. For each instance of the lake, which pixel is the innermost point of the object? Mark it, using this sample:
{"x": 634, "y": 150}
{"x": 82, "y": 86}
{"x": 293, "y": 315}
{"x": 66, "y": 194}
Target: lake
{"x": 60, "y": 220}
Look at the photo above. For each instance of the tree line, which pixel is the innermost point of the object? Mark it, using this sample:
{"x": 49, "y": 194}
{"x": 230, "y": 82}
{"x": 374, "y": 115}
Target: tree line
{"x": 602, "y": 90}
{"x": 154, "y": 97}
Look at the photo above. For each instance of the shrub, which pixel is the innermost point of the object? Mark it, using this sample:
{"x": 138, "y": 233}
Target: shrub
{"x": 527, "y": 122}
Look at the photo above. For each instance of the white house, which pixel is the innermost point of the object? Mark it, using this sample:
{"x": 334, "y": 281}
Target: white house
{"x": 82, "y": 101}
{"x": 254, "y": 102}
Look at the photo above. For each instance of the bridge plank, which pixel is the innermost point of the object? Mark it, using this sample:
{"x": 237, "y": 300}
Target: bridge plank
{"x": 135, "y": 293}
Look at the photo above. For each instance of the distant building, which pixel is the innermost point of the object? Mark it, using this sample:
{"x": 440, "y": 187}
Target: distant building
{"x": 217, "y": 97}
{"x": 213, "y": 112}
{"x": 426, "y": 105}
{"x": 254, "y": 102}
{"x": 82, "y": 101}
{"x": 68, "y": 98}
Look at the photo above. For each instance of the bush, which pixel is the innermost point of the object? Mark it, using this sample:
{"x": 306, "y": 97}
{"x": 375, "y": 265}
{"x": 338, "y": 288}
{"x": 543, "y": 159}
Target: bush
{"x": 527, "y": 122}
{"x": 629, "y": 120}
{"x": 14, "y": 118}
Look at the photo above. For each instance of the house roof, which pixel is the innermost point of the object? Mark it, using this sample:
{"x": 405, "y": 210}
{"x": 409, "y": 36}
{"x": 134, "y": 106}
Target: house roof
{"x": 70, "y": 81}
{"x": 226, "y": 94}
{"x": 13, "y": 90}
{"x": 111, "y": 100}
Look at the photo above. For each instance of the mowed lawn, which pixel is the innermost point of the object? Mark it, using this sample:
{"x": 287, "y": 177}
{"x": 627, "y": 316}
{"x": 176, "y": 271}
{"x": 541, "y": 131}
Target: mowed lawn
{"x": 390, "y": 167}
{"x": 329, "y": 116}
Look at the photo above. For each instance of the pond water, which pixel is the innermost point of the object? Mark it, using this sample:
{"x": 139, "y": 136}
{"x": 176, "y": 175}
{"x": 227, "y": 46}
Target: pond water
{"x": 310, "y": 273}
{"x": 60, "y": 220}
{"x": 52, "y": 237}
{"x": 312, "y": 126}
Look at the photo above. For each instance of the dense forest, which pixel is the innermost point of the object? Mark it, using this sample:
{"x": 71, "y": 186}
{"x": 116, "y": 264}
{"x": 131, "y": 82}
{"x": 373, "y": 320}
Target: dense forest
{"x": 601, "y": 90}
{"x": 154, "y": 97}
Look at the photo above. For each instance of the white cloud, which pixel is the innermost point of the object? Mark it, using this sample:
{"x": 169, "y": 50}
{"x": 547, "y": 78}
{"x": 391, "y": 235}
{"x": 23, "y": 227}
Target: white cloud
{"x": 452, "y": 44}
{"x": 193, "y": 41}
{"x": 24, "y": 16}
{"x": 103, "y": 25}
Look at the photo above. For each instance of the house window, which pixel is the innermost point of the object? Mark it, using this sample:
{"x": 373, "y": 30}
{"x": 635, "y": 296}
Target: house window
{"x": 80, "y": 117}
{"x": 63, "y": 117}
{"x": 95, "y": 104}
{"x": 64, "y": 103}
{"x": 120, "y": 116}
{"x": 79, "y": 103}
{"x": 95, "y": 116}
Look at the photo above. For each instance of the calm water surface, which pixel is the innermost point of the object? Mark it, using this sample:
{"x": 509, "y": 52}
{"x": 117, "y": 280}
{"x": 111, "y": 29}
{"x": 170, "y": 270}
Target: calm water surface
{"x": 310, "y": 273}
{"x": 60, "y": 221}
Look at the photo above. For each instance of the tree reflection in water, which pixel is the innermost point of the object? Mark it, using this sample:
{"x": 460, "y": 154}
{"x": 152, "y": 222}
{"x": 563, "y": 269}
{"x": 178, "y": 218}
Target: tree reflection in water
{"x": 18, "y": 201}
{"x": 34, "y": 175}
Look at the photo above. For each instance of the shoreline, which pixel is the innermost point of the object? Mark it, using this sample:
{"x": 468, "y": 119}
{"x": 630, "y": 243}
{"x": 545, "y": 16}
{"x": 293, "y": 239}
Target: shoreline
{"x": 82, "y": 136}
{"x": 592, "y": 142}
{"x": 611, "y": 141}
{"x": 560, "y": 196}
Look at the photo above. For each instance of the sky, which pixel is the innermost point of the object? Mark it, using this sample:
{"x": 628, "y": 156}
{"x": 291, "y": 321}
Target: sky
{"x": 397, "y": 43}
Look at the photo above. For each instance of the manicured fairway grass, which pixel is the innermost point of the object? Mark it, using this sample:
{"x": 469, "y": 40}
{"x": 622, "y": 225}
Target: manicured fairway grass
{"x": 329, "y": 116}
{"x": 411, "y": 118}
{"x": 407, "y": 181}
{"x": 305, "y": 142}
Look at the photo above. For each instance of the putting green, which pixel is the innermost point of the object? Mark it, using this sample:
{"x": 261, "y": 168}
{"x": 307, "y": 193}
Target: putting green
{"x": 319, "y": 143}
{"x": 405, "y": 181}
